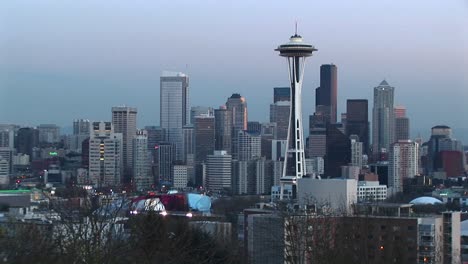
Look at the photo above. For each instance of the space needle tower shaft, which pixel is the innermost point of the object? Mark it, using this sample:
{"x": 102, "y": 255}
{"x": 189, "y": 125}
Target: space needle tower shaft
{"x": 295, "y": 51}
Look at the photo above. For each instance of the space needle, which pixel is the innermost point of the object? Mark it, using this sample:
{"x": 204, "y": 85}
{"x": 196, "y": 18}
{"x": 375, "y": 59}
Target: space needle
{"x": 294, "y": 168}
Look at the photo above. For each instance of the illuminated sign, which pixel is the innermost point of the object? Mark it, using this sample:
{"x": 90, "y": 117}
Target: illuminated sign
{"x": 53, "y": 153}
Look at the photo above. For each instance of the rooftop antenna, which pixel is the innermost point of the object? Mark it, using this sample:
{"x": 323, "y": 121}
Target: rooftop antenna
{"x": 296, "y": 27}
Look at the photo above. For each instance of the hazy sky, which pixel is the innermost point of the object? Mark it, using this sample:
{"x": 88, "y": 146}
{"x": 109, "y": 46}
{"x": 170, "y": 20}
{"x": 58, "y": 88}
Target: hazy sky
{"x": 61, "y": 60}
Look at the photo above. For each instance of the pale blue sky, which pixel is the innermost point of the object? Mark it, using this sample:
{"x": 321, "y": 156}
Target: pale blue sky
{"x": 61, "y": 60}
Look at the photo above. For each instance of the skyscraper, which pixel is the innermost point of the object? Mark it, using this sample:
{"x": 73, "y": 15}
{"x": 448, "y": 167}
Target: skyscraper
{"x": 174, "y": 107}
{"x": 237, "y": 105}
{"x": 338, "y": 151}
{"x": 156, "y": 135}
{"x": 326, "y": 94}
{"x": 165, "y": 159}
{"x": 279, "y": 114}
{"x": 357, "y": 121}
{"x": 204, "y": 137}
{"x": 218, "y": 171}
{"x": 404, "y": 163}
{"x": 124, "y": 122}
{"x": 49, "y": 133}
{"x": 142, "y": 176}
{"x": 383, "y": 118}
{"x": 105, "y": 155}
{"x": 81, "y": 126}
{"x": 281, "y": 94}
{"x": 249, "y": 145}
{"x": 402, "y": 124}
{"x": 27, "y": 138}
{"x": 295, "y": 52}
{"x": 223, "y": 129}
{"x": 198, "y": 111}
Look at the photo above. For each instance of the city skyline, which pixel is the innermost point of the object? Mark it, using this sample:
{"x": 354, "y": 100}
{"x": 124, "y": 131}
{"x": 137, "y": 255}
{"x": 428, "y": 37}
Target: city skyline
{"x": 50, "y": 66}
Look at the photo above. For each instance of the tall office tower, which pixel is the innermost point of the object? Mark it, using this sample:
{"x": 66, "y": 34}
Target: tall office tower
{"x": 267, "y": 133}
{"x": 281, "y": 94}
{"x": 296, "y": 52}
{"x": 49, "y": 133}
{"x": 80, "y": 133}
{"x": 317, "y": 143}
{"x": 249, "y": 145}
{"x": 278, "y": 148}
{"x": 244, "y": 176}
{"x": 7, "y": 138}
{"x": 438, "y": 134}
{"x": 27, "y": 138}
{"x": 81, "y": 126}
{"x": 204, "y": 137}
{"x": 175, "y": 107}
{"x": 237, "y": 105}
{"x": 279, "y": 114}
{"x": 200, "y": 111}
{"x": 263, "y": 175}
{"x": 166, "y": 156}
{"x": 156, "y": 135}
{"x": 218, "y": 171}
{"x": 338, "y": 151}
{"x": 326, "y": 94}
{"x": 400, "y": 111}
{"x": 105, "y": 155}
{"x": 124, "y": 122}
{"x": 189, "y": 145}
{"x": 404, "y": 163}
{"x": 4, "y": 172}
{"x": 383, "y": 118}
{"x": 223, "y": 129}
{"x": 402, "y": 127}
{"x": 142, "y": 176}
{"x": 356, "y": 151}
{"x": 357, "y": 121}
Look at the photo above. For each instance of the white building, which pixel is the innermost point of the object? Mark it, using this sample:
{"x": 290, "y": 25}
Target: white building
{"x": 142, "y": 176}
{"x": 21, "y": 159}
{"x": 181, "y": 176}
{"x": 249, "y": 145}
{"x": 371, "y": 191}
{"x": 174, "y": 107}
{"x": 105, "y": 155}
{"x": 337, "y": 194}
{"x": 218, "y": 171}
{"x": 356, "y": 152}
{"x": 404, "y": 163}
{"x": 7, "y": 155}
{"x": 350, "y": 172}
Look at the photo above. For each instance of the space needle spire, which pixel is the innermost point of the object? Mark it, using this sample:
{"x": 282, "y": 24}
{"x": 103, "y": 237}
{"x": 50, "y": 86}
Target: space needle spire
{"x": 295, "y": 51}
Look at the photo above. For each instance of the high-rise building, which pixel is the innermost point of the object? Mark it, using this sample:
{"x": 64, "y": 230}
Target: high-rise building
{"x": 249, "y": 145}
{"x": 204, "y": 137}
{"x": 404, "y": 163}
{"x": 7, "y": 138}
{"x": 400, "y": 111}
{"x": 7, "y": 155}
{"x": 105, "y": 155}
{"x": 181, "y": 176}
{"x": 156, "y": 135}
{"x": 326, "y": 94}
{"x": 142, "y": 176}
{"x": 254, "y": 127}
{"x": 338, "y": 151}
{"x": 166, "y": 156}
{"x": 218, "y": 171}
{"x": 356, "y": 151}
{"x": 4, "y": 172}
{"x": 124, "y": 122}
{"x": 317, "y": 142}
{"x": 200, "y": 111}
{"x": 383, "y": 118}
{"x": 223, "y": 129}
{"x": 267, "y": 133}
{"x": 279, "y": 114}
{"x": 49, "y": 133}
{"x": 281, "y": 94}
{"x": 27, "y": 138}
{"x": 402, "y": 128}
{"x": 81, "y": 126}
{"x": 237, "y": 106}
{"x": 174, "y": 107}
{"x": 439, "y": 134}
{"x": 295, "y": 51}
{"x": 189, "y": 145}
{"x": 357, "y": 121}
